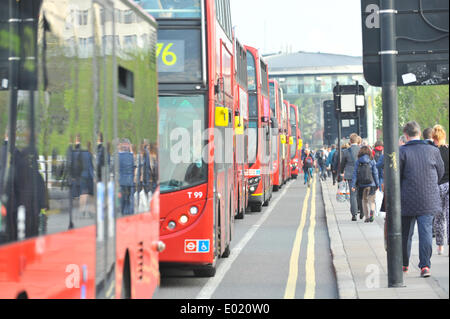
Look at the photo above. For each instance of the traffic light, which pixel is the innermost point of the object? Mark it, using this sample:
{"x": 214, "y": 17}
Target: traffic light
{"x": 330, "y": 123}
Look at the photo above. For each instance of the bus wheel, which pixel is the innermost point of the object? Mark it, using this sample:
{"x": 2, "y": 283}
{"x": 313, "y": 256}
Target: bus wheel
{"x": 206, "y": 271}
{"x": 227, "y": 252}
{"x": 241, "y": 214}
{"x": 266, "y": 203}
{"x": 276, "y": 188}
{"x": 257, "y": 208}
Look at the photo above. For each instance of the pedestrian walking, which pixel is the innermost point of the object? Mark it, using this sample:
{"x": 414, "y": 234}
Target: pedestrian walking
{"x": 126, "y": 177}
{"x": 330, "y": 163}
{"x": 308, "y": 167}
{"x": 427, "y": 135}
{"x": 349, "y": 158}
{"x": 365, "y": 177}
{"x": 421, "y": 169}
{"x": 441, "y": 219}
{"x": 321, "y": 158}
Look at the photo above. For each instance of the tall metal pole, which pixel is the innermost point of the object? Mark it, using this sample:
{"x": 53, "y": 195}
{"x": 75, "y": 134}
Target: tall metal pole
{"x": 339, "y": 126}
{"x": 390, "y": 132}
{"x": 358, "y": 111}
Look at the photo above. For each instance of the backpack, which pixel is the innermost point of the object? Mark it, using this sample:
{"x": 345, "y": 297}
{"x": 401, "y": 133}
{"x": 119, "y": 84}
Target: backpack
{"x": 309, "y": 161}
{"x": 364, "y": 176}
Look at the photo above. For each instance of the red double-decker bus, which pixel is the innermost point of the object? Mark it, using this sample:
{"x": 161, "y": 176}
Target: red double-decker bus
{"x": 241, "y": 130}
{"x": 259, "y": 139}
{"x": 294, "y": 141}
{"x": 276, "y": 102}
{"x": 79, "y": 192}
{"x": 196, "y": 103}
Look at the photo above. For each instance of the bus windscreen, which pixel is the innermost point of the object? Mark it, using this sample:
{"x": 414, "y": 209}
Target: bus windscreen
{"x": 172, "y": 9}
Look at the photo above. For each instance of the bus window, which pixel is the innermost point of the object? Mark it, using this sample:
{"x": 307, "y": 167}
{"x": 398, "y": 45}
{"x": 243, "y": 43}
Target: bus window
{"x": 273, "y": 106}
{"x": 182, "y": 164}
{"x": 172, "y": 9}
{"x": 179, "y": 56}
{"x": 252, "y": 141}
{"x": 251, "y": 71}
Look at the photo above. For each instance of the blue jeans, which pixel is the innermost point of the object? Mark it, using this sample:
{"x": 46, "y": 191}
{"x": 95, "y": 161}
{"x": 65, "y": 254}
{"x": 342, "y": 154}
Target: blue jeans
{"x": 425, "y": 228}
{"x": 309, "y": 172}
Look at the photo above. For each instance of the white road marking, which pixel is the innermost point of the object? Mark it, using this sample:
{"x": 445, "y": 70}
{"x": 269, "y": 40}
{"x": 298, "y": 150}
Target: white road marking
{"x": 213, "y": 283}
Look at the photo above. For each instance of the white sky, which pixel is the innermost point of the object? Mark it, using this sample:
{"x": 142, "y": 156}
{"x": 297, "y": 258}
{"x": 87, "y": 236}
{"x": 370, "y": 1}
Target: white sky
{"x": 329, "y": 26}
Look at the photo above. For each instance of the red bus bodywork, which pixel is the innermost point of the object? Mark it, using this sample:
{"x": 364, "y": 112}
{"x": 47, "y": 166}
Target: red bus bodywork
{"x": 277, "y": 131}
{"x": 295, "y": 134}
{"x": 113, "y": 255}
{"x": 285, "y": 141}
{"x": 259, "y": 172}
{"x": 241, "y": 130}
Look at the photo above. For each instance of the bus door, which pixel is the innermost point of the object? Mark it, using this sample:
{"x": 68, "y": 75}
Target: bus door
{"x": 223, "y": 147}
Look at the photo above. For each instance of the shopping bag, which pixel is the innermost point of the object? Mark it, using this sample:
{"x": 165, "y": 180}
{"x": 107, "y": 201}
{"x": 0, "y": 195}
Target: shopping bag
{"x": 342, "y": 192}
{"x": 379, "y": 196}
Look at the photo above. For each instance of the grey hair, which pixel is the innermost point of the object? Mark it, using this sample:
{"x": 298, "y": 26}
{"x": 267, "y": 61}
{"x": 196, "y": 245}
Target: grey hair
{"x": 412, "y": 129}
{"x": 402, "y": 140}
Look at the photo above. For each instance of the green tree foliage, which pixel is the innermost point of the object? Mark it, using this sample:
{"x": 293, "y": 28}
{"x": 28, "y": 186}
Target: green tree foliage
{"x": 427, "y": 105}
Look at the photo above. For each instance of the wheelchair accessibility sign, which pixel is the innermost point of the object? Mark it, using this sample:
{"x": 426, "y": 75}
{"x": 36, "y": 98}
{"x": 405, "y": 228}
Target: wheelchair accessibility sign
{"x": 196, "y": 246}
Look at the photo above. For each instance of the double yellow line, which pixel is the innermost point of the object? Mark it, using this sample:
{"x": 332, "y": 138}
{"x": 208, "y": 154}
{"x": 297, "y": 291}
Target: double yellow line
{"x": 295, "y": 256}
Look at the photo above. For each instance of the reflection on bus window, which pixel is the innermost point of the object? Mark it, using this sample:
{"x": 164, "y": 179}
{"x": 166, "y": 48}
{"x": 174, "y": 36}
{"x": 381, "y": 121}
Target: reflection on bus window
{"x": 273, "y": 107}
{"x": 126, "y": 177}
{"x": 182, "y": 165}
{"x": 172, "y": 9}
{"x": 253, "y": 105}
{"x": 252, "y": 141}
{"x": 251, "y": 71}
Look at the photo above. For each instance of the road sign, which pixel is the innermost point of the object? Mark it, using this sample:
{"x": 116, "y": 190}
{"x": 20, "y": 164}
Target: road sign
{"x": 349, "y": 100}
{"x": 422, "y": 42}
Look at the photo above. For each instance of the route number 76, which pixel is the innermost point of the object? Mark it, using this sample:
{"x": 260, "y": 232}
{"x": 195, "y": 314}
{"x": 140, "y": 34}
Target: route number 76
{"x": 196, "y": 195}
{"x": 168, "y": 57}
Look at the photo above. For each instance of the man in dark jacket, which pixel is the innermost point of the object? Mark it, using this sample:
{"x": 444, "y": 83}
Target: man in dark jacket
{"x": 349, "y": 158}
{"x": 421, "y": 168}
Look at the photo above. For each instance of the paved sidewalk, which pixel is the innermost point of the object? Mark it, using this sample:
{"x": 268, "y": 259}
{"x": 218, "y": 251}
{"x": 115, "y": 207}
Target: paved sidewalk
{"x": 360, "y": 261}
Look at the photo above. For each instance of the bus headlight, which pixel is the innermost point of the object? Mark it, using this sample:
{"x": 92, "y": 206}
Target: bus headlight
{"x": 183, "y": 219}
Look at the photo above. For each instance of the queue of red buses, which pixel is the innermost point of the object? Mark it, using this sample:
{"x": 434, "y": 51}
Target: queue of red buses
{"x": 79, "y": 192}
{"x": 132, "y": 139}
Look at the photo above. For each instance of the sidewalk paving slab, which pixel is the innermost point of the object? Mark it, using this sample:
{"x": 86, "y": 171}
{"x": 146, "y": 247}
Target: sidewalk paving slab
{"x": 360, "y": 260}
